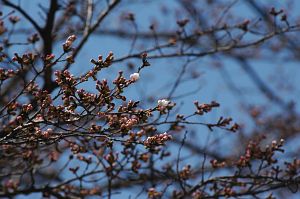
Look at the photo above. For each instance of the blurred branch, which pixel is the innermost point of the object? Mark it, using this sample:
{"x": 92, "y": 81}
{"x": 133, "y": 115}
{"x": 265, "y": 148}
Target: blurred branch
{"x": 48, "y": 43}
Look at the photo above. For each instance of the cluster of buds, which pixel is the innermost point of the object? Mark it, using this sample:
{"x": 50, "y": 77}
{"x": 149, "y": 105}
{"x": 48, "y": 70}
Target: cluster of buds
{"x": 205, "y": 108}
{"x": 255, "y": 112}
{"x": 254, "y": 151}
{"x": 75, "y": 148}
{"x": 276, "y": 145}
{"x": 234, "y": 127}
{"x": 37, "y": 131}
{"x": 70, "y": 59}
{"x": 64, "y": 78}
{"x": 185, "y": 173}
{"x": 135, "y": 166}
{"x": 26, "y": 108}
{"x": 2, "y": 55}
{"x": 182, "y": 23}
{"x": 115, "y": 121}
{"x": 46, "y": 134}
{"x": 157, "y": 140}
{"x": 109, "y": 59}
{"x": 74, "y": 170}
{"x": 2, "y": 27}
{"x": 67, "y": 45}
{"x": 244, "y": 25}
{"x": 32, "y": 87}
{"x": 284, "y": 18}
{"x": 152, "y": 193}
{"x": 144, "y": 59}
{"x": 198, "y": 194}
{"x": 14, "y": 19}
{"x": 53, "y": 156}
{"x": 20, "y": 119}
{"x": 223, "y": 122}
{"x": 274, "y": 12}
{"x": 128, "y": 123}
{"x": 82, "y": 158}
{"x": 104, "y": 90}
{"x": 120, "y": 81}
{"x": 95, "y": 128}
{"x": 90, "y": 192}
{"x": 164, "y": 105}
{"x": 11, "y": 185}
{"x": 43, "y": 98}
{"x": 111, "y": 158}
{"x": 172, "y": 41}
{"x": 87, "y": 98}
{"x": 28, "y": 58}
{"x": 33, "y": 38}
{"x": 12, "y": 107}
{"x": 91, "y": 74}
{"x": 129, "y": 16}
{"x": 48, "y": 59}
{"x": 216, "y": 164}
{"x": 228, "y": 191}
{"x": 28, "y": 155}
{"x": 130, "y": 106}
{"x": 133, "y": 137}
{"x": 6, "y": 74}
{"x": 293, "y": 168}
{"x": 100, "y": 63}
{"x": 243, "y": 162}
{"x": 144, "y": 157}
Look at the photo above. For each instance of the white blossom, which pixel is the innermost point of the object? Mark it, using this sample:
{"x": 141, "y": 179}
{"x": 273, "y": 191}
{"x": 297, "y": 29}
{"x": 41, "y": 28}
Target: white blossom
{"x": 67, "y": 45}
{"x": 282, "y": 140}
{"x": 135, "y": 76}
{"x": 163, "y": 102}
{"x": 274, "y": 142}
